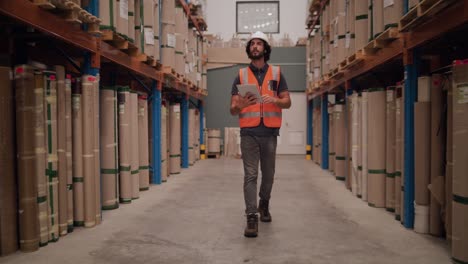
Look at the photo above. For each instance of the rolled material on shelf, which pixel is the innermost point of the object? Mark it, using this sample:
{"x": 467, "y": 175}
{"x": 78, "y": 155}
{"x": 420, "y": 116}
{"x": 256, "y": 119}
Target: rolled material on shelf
{"x": 460, "y": 164}
{"x": 135, "y": 159}
{"x": 131, "y": 20}
{"x": 125, "y": 177}
{"x": 361, "y": 13}
{"x": 96, "y": 150}
{"x": 424, "y": 89}
{"x": 393, "y": 11}
{"x": 78, "y": 170}
{"x": 376, "y": 147}
{"x": 121, "y": 17}
{"x": 422, "y": 151}
{"x": 164, "y": 156}
{"x": 143, "y": 142}
{"x": 168, "y": 44}
{"x": 175, "y": 138}
{"x": 50, "y": 114}
{"x": 107, "y": 9}
{"x": 348, "y": 139}
{"x": 214, "y": 140}
{"x": 331, "y": 141}
{"x": 42, "y": 178}
{"x": 359, "y": 143}
{"x": 179, "y": 53}
{"x": 89, "y": 163}
{"x": 168, "y": 11}
{"x": 109, "y": 148}
{"x": 192, "y": 133}
{"x": 157, "y": 45}
{"x": 378, "y": 17}
{"x": 390, "y": 151}
{"x": 364, "y": 146}
{"x": 350, "y": 41}
{"x": 449, "y": 164}
{"x": 398, "y": 151}
{"x": 354, "y": 143}
{"x": 340, "y": 148}
{"x": 421, "y": 218}
{"x": 69, "y": 150}
{"x": 138, "y": 25}
{"x": 8, "y": 186}
{"x": 61, "y": 151}
{"x": 30, "y": 139}
{"x": 437, "y": 156}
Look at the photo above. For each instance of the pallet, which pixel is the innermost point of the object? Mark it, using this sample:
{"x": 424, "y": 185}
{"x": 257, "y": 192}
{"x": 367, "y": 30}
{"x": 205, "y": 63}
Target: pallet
{"x": 121, "y": 43}
{"x": 381, "y": 41}
{"x": 70, "y": 11}
{"x": 213, "y": 155}
{"x": 355, "y": 59}
{"x": 422, "y": 13}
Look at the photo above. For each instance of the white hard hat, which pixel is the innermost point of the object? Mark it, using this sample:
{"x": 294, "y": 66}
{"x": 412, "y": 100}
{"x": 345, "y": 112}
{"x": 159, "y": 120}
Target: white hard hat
{"x": 258, "y": 35}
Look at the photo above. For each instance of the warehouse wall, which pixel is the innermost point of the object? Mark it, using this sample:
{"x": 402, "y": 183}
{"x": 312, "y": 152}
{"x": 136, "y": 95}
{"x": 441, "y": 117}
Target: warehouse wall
{"x": 221, "y": 18}
{"x": 292, "y": 63}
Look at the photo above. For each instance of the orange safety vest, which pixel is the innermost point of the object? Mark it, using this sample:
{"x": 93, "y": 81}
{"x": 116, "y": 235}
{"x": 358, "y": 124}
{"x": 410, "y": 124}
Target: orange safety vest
{"x": 271, "y": 114}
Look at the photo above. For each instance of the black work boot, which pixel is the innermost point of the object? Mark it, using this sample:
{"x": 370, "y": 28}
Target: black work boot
{"x": 251, "y": 230}
{"x": 265, "y": 215}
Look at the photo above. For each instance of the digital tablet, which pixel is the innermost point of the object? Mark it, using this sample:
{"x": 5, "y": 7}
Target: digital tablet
{"x": 249, "y": 88}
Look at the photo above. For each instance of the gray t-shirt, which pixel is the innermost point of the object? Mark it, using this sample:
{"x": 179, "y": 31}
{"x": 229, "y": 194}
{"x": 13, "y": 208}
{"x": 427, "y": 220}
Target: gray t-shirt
{"x": 261, "y": 130}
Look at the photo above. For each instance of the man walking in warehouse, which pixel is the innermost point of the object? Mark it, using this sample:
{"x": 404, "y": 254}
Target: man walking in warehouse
{"x": 260, "y": 122}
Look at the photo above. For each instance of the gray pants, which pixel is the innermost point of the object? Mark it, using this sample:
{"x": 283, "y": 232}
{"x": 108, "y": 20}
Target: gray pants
{"x": 255, "y": 150}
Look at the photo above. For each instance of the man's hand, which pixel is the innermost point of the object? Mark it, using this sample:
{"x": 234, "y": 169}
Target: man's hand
{"x": 240, "y": 102}
{"x": 269, "y": 99}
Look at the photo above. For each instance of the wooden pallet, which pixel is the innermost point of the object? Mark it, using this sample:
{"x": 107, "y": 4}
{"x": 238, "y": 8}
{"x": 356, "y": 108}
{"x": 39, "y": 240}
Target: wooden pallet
{"x": 70, "y": 11}
{"x": 121, "y": 43}
{"x": 381, "y": 41}
{"x": 355, "y": 59}
{"x": 213, "y": 155}
{"x": 422, "y": 13}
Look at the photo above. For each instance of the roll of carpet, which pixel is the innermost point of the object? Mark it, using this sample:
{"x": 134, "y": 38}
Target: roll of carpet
{"x": 125, "y": 177}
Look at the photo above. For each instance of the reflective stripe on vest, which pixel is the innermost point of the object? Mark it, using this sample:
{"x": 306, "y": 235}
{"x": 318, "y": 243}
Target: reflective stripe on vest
{"x": 252, "y": 115}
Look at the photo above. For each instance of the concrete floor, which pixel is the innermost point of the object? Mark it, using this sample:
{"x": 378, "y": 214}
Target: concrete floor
{"x": 197, "y": 217}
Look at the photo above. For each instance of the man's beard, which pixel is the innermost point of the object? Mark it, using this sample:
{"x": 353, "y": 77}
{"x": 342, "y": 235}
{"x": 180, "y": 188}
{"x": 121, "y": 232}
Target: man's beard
{"x": 256, "y": 57}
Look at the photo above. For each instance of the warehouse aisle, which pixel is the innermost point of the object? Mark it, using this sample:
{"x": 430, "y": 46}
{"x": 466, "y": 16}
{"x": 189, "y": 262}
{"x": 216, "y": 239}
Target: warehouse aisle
{"x": 198, "y": 218}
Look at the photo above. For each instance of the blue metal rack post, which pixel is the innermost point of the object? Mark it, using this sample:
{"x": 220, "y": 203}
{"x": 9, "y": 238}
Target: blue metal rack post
{"x": 202, "y": 134}
{"x": 310, "y": 109}
{"x": 156, "y": 112}
{"x": 410, "y": 93}
{"x": 325, "y": 131}
{"x": 185, "y": 132}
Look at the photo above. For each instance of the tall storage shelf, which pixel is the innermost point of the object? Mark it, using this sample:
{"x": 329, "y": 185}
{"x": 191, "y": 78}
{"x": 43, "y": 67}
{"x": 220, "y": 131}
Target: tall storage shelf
{"x": 399, "y": 98}
{"x": 82, "y": 89}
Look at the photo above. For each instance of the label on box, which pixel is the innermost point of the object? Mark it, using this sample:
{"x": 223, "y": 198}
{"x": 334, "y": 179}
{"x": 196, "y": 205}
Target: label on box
{"x": 462, "y": 93}
{"x": 348, "y": 40}
{"x": 124, "y": 9}
{"x": 390, "y": 96}
{"x": 317, "y": 73}
{"x": 388, "y": 3}
{"x": 176, "y": 108}
{"x": 149, "y": 36}
{"x": 76, "y": 102}
{"x": 121, "y": 109}
{"x": 171, "y": 40}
